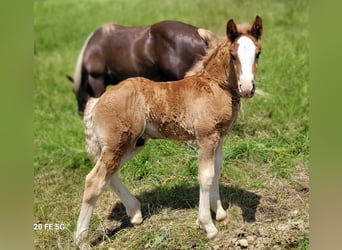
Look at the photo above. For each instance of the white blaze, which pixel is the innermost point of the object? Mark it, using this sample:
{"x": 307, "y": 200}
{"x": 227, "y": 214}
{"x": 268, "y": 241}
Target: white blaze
{"x": 246, "y": 53}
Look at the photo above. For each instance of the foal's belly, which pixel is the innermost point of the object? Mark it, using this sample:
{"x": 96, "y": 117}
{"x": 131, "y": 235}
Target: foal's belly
{"x": 169, "y": 130}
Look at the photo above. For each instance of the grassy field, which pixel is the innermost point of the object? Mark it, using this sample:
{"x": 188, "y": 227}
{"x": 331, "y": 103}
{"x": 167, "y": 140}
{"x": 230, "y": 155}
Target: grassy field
{"x": 264, "y": 181}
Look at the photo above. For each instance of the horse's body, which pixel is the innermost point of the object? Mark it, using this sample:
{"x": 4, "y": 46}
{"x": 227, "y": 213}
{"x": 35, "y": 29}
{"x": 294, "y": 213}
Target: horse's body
{"x": 202, "y": 107}
{"x": 161, "y": 52}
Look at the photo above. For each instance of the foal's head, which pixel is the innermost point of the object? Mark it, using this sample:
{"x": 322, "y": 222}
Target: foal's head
{"x": 244, "y": 52}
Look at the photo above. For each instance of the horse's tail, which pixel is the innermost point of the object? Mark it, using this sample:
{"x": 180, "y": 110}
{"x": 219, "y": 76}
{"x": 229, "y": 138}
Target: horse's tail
{"x": 78, "y": 69}
{"x": 93, "y": 141}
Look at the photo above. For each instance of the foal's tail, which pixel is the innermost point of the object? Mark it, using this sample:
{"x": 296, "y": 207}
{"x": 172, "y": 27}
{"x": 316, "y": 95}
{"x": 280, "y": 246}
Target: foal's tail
{"x": 93, "y": 141}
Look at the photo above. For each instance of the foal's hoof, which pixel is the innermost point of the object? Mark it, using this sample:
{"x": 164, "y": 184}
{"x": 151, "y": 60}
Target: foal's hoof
{"x": 221, "y": 215}
{"x": 81, "y": 241}
{"x": 211, "y": 235}
{"x": 137, "y": 219}
{"x": 199, "y": 224}
{"x": 210, "y": 230}
{"x": 83, "y": 245}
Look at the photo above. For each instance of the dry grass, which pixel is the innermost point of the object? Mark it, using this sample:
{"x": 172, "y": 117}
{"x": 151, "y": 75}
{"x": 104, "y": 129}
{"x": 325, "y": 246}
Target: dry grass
{"x": 274, "y": 215}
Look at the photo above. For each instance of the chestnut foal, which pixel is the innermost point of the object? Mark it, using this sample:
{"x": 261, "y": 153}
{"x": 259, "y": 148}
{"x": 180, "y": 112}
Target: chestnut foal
{"x": 202, "y": 107}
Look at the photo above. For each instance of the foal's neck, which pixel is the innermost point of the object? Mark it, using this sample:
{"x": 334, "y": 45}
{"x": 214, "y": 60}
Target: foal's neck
{"x": 220, "y": 68}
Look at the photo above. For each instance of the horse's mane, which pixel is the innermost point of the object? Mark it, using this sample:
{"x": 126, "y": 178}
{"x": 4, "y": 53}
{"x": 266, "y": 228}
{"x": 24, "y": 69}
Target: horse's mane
{"x": 213, "y": 42}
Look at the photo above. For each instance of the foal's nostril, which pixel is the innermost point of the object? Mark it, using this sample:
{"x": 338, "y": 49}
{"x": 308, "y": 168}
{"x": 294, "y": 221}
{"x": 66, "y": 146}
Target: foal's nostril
{"x": 253, "y": 89}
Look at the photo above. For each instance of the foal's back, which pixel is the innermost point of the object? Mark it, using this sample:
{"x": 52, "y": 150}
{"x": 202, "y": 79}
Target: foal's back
{"x": 181, "y": 110}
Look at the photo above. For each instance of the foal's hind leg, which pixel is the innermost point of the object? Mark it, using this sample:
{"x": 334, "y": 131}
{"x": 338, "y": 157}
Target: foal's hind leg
{"x": 215, "y": 201}
{"x": 95, "y": 183}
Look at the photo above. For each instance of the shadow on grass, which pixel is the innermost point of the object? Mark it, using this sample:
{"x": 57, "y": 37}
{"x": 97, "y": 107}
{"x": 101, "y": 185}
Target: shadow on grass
{"x": 182, "y": 197}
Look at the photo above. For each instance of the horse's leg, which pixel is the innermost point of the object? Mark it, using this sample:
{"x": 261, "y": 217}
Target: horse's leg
{"x": 95, "y": 183}
{"x": 215, "y": 201}
{"x": 207, "y": 149}
{"x": 132, "y": 205}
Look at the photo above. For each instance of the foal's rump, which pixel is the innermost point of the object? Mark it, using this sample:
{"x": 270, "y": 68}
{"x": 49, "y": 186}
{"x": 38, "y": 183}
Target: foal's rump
{"x": 117, "y": 118}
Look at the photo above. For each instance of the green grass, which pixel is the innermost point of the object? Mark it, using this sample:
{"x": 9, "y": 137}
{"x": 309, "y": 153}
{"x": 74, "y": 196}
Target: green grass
{"x": 265, "y": 156}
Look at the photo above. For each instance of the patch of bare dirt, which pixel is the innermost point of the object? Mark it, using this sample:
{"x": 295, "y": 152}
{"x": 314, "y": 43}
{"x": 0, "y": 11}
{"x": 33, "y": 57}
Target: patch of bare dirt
{"x": 282, "y": 217}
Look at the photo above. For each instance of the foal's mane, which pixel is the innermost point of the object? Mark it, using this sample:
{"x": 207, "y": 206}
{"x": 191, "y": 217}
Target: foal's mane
{"x": 213, "y": 44}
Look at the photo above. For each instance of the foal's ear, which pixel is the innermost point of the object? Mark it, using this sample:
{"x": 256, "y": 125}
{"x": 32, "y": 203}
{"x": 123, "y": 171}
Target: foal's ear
{"x": 256, "y": 29}
{"x": 232, "y": 32}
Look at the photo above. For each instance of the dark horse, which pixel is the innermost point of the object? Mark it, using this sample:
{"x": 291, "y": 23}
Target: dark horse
{"x": 164, "y": 51}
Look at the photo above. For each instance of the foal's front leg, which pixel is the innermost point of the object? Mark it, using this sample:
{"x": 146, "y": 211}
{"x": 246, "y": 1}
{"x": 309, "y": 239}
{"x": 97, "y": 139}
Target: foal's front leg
{"x": 215, "y": 201}
{"x": 207, "y": 150}
{"x": 132, "y": 205}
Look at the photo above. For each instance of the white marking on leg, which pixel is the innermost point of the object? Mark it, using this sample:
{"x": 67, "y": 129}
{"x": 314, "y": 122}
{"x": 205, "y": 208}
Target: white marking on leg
{"x": 215, "y": 201}
{"x": 94, "y": 186}
{"x": 81, "y": 235}
{"x": 206, "y": 175}
{"x": 132, "y": 205}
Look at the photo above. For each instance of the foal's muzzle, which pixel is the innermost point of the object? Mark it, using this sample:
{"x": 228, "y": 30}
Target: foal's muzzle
{"x": 246, "y": 88}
